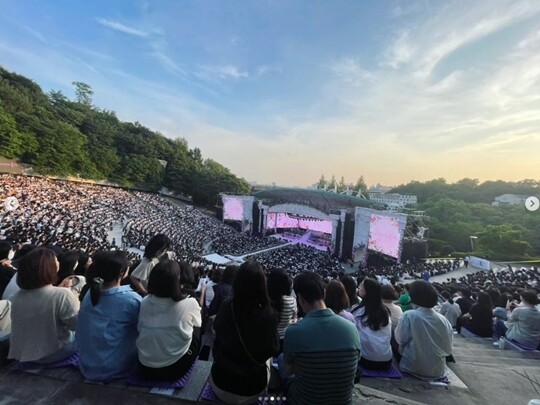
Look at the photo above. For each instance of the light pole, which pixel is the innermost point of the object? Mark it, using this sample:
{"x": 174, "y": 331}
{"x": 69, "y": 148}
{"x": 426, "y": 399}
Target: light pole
{"x": 472, "y": 242}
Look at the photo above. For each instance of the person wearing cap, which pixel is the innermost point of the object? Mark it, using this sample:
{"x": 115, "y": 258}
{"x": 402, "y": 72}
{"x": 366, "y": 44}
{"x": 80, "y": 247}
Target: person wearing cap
{"x": 524, "y": 321}
{"x": 424, "y": 336}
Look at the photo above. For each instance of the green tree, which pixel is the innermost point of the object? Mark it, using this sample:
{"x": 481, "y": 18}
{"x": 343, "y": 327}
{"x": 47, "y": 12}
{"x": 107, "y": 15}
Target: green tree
{"x": 361, "y": 185}
{"x": 503, "y": 242}
{"x": 83, "y": 93}
{"x": 322, "y": 183}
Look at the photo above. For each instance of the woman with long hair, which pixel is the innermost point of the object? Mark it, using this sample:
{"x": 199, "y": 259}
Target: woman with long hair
{"x": 479, "y": 319}
{"x": 246, "y": 339}
{"x": 279, "y": 291}
{"x": 153, "y": 252}
{"x": 373, "y": 322}
{"x": 43, "y": 317}
{"x": 169, "y": 326}
{"x": 107, "y": 327}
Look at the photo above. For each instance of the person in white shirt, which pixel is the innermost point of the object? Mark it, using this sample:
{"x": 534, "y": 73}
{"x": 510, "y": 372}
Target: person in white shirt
{"x": 450, "y": 309}
{"x": 424, "y": 336}
{"x": 169, "y": 326}
{"x": 154, "y": 251}
{"x": 374, "y": 325}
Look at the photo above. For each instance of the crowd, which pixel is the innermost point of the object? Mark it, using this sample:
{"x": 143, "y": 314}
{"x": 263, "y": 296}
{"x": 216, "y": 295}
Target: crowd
{"x": 66, "y": 289}
{"x": 298, "y": 258}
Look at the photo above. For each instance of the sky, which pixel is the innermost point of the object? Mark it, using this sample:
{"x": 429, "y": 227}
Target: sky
{"x": 284, "y": 91}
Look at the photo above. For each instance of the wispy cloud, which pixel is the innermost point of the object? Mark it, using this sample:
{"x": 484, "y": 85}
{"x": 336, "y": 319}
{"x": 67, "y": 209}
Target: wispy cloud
{"x": 117, "y": 26}
{"x": 221, "y": 72}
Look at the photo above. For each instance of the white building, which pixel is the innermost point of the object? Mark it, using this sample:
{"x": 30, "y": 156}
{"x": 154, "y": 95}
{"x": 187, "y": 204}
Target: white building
{"x": 393, "y": 200}
{"x": 509, "y": 199}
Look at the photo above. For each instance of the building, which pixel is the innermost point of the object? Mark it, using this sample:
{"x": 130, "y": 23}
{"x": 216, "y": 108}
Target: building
{"x": 393, "y": 200}
{"x": 509, "y": 199}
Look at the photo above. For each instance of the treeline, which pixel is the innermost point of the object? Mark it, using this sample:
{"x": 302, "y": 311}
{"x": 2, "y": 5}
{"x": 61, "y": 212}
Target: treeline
{"x": 467, "y": 190}
{"x": 342, "y": 185}
{"x": 463, "y": 209}
{"x": 73, "y": 137}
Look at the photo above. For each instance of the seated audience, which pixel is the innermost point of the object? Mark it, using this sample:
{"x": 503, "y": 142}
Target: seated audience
{"x": 5, "y": 317}
{"x": 479, "y": 319}
{"x": 389, "y": 295}
{"x": 320, "y": 352}
{"x": 404, "y": 300}
{"x": 43, "y": 317}
{"x": 7, "y": 271}
{"x": 154, "y": 250}
{"x": 169, "y": 326}
{"x": 279, "y": 291}
{"x": 424, "y": 336}
{"x": 337, "y": 300}
{"x": 449, "y": 309}
{"x": 246, "y": 339}
{"x": 523, "y": 324}
{"x": 107, "y": 326}
{"x": 352, "y": 291}
{"x": 464, "y": 300}
{"x": 374, "y": 325}
{"x": 223, "y": 290}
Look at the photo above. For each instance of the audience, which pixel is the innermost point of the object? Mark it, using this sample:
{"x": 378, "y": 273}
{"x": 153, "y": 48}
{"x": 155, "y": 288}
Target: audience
{"x": 337, "y": 300}
{"x": 155, "y": 249}
{"x": 320, "y": 352}
{"x": 43, "y": 317}
{"x": 389, "y": 295}
{"x": 246, "y": 339}
{"x": 479, "y": 319}
{"x": 424, "y": 336}
{"x": 279, "y": 291}
{"x": 523, "y": 324}
{"x": 374, "y": 326}
{"x": 169, "y": 326}
{"x": 107, "y": 324}
{"x": 449, "y": 309}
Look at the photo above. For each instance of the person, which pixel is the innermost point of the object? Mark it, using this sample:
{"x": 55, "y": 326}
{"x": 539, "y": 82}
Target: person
{"x": 424, "y": 336}
{"x": 279, "y": 291}
{"x": 153, "y": 251}
{"x": 404, "y": 300}
{"x": 464, "y": 300}
{"x": 107, "y": 327}
{"x": 169, "y": 326}
{"x": 7, "y": 271}
{"x": 352, "y": 290}
{"x": 337, "y": 300}
{"x": 523, "y": 324}
{"x": 389, "y": 295}
{"x": 223, "y": 290}
{"x": 246, "y": 339}
{"x": 479, "y": 320}
{"x": 449, "y": 309}
{"x": 320, "y": 353}
{"x": 43, "y": 317}
{"x": 374, "y": 326}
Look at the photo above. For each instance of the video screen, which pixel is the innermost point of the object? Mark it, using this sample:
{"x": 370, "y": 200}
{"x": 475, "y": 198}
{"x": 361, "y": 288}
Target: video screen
{"x": 284, "y": 220}
{"x": 233, "y": 209}
{"x": 384, "y": 235}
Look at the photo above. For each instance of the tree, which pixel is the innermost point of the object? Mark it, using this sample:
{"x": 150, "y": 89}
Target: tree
{"x": 83, "y": 93}
{"x": 341, "y": 186}
{"x": 322, "y": 183}
{"x": 503, "y": 242}
{"x": 332, "y": 184}
{"x": 361, "y": 186}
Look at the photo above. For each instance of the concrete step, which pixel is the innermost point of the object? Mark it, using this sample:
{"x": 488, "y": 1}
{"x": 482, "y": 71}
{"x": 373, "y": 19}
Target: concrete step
{"x": 496, "y": 361}
{"x": 495, "y": 353}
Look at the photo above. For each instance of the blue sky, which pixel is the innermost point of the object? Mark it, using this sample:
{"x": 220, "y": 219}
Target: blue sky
{"x": 283, "y": 91}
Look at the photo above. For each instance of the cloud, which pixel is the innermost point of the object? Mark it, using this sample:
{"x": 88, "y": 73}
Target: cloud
{"x": 220, "y": 72}
{"x": 115, "y": 25}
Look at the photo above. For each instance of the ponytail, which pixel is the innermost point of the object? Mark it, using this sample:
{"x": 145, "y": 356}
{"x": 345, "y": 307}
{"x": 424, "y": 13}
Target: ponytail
{"x": 95, "y": 290}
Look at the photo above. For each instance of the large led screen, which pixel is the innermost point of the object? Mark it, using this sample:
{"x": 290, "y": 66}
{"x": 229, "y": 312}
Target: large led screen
{"x": 384, "y": 235}
{"x": 233, "y": 208}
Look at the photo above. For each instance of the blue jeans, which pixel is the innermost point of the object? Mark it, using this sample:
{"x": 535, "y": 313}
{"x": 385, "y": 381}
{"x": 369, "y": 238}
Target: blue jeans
{"x": 499, "y": 328}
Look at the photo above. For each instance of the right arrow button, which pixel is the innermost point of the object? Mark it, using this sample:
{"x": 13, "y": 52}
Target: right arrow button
{"x": 532, "y": 203}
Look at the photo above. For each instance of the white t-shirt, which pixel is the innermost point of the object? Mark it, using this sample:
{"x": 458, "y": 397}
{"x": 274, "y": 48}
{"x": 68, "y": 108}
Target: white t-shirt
{"x": 374, "y": 345}
{"x": 142, "y": 271}
{"x": 166, "y": 329}
{"x": 11, "y": 289}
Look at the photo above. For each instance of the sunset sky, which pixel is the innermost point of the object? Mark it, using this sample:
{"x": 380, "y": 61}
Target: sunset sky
{"x": 283, "y": 91}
